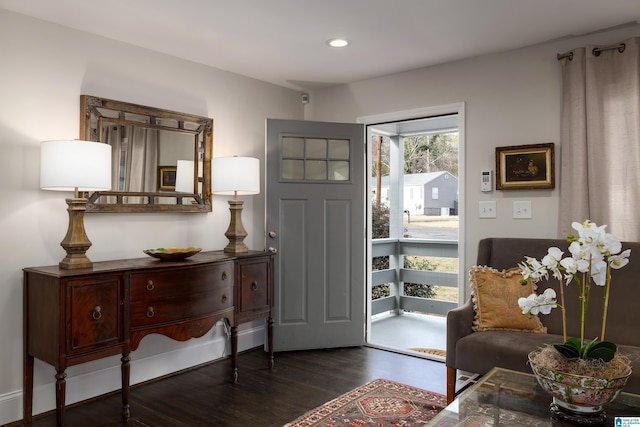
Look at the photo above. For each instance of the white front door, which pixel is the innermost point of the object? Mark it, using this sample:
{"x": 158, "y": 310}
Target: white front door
{"x": 316, "y": 224}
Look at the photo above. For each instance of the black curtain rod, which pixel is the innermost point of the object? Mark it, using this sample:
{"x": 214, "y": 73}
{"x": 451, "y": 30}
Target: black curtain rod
{"x": 596, "y": 51}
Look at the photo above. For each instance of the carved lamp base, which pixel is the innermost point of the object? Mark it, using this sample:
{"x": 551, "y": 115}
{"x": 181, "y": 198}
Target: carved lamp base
{"x": 76, "y": 242}
{"x": 236, "y": 232}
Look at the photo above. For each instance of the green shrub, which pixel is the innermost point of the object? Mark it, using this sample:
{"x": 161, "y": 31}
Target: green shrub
{"x": 380, "y": 221}
{"x": 380, "y": 291}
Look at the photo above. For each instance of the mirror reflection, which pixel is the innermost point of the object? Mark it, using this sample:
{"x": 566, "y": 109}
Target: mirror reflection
{"x": 161, "y": 160}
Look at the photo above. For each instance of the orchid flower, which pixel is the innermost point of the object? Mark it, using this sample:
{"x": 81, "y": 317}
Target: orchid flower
{"x": 599, "y": 272}
{"x": 593, "y": 253}
{"x": 535, "y": 304}
{"x": 532, "y": 269}
{"x": 618, "y": 261}
{"x": 551, "y": 261}
{"x": 611, "y": 245}
{"x": 570, "y": 266}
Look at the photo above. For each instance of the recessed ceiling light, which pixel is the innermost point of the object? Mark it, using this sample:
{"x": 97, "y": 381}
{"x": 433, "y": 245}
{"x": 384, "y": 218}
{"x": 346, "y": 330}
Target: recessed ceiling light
{"x": 338, "y": 42}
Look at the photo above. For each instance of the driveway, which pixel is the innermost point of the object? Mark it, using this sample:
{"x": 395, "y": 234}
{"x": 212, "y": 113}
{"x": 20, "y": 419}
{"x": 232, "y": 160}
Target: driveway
{"x": 431, "y": 227}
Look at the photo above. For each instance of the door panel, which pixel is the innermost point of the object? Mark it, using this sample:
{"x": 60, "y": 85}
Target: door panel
{"x": 291, "y": 261}
{"x": 338, "y": 265}
{"x": 316, "y": 215}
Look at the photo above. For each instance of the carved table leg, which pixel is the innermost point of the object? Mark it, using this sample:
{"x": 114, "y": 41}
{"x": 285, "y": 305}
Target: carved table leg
{"x": 270, "y": 340}
{"x": 28, "y": 389}
{"x": 126, "y": 369}
{"x": 61, "y": 389}
{"x": 234, "y": 354}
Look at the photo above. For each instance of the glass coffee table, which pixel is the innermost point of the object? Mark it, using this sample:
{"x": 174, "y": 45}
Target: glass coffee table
{"x": 508, "y": 398}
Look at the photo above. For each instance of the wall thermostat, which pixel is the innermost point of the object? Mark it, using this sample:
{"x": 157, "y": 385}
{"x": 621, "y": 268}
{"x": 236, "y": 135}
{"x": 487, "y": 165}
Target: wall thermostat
{"x": 486, "y": 181}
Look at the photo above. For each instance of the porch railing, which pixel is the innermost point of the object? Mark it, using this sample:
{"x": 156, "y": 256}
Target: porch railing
{"x": 396, "y": 275}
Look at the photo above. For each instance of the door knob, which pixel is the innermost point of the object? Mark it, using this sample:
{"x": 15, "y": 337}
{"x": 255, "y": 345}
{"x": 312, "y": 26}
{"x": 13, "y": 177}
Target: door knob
{"x": 272, "y": 234}
{"x": 272, "y": 250}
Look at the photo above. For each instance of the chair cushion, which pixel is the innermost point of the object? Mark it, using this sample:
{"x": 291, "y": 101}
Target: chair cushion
{"x": 495, "y": 300}
{"x": 481, "y": 351}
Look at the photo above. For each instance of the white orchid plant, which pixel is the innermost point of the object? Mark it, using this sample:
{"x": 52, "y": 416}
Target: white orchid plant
{"x": 594, "y": 253}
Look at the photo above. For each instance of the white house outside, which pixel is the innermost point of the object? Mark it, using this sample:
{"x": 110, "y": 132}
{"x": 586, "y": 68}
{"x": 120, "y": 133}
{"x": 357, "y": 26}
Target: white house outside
{"x": 431, "y": 193}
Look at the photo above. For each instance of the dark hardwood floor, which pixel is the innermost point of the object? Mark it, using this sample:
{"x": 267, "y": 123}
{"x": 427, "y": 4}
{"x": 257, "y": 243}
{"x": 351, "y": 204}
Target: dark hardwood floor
{"x": 299, "y": 381}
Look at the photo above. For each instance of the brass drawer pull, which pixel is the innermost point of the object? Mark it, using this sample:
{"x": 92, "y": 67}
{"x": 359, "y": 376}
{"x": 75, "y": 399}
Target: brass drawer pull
{"x": 150, "y": 285}
{"x": 254, "y": 285}
{"x": 97, "y": 313}
{"x": 224, "y": 275}
{"x": 224, "y": 298}
{"x": 150, "y": 312}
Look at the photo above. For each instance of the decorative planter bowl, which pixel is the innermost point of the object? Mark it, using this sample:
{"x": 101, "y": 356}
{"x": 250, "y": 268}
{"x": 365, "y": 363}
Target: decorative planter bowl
{"x": 172, "y": 254}
{"x": 576, "y": 398}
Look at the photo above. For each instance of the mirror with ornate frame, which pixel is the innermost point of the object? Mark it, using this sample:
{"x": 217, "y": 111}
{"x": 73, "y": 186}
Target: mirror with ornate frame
{"x": 161, "y": 159}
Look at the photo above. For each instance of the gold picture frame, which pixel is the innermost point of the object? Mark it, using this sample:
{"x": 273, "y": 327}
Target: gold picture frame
{"x": 525, "y": 167}
{"x": 167, "y": 178}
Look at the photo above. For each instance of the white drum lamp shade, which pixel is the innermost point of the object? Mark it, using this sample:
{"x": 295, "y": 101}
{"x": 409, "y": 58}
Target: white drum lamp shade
{"x": 235, "y": 176}
{"x": 184, "y": 176}
{"x": 67, "y": 165}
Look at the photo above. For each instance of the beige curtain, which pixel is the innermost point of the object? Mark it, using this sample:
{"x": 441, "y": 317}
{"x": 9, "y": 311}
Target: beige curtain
{"x": 600, "y": 138}
{"x": 135, "y": 162}
{"x": 142, "y": 159}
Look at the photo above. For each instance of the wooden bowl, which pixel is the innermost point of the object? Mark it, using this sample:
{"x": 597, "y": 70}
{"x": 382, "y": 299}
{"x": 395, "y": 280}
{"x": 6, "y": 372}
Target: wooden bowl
{"x": 172, "y": 254}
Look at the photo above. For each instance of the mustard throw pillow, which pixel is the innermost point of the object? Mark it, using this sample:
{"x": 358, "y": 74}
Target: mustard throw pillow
{"x": 495, "y": 300}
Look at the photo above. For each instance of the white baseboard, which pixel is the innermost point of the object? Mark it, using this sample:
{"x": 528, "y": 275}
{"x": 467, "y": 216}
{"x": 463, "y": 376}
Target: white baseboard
{"x": 96, "y": 383}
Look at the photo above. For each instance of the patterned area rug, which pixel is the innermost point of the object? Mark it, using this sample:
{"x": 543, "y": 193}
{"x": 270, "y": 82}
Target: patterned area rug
{"x": 431, "y": 351}
{"x": 376, "y": 404}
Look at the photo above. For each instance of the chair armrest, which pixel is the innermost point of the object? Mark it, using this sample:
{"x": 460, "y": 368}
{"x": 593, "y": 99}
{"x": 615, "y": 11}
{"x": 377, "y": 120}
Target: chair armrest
{"x": 459, "y": 325}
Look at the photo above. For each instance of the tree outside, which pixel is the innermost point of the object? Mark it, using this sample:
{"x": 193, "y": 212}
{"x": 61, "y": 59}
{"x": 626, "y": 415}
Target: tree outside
{"x": 425, "y": 153}
{"x": 431, "y": 153}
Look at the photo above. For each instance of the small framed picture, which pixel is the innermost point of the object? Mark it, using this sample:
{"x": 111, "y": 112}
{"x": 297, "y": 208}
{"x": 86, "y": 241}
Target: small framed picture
{"x": 525, "y": 167}
{"x": 167, "y": 178}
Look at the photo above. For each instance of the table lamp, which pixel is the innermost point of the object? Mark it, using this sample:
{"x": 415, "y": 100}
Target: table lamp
{"x": 75, "y": 166}
{"x": 235, "y": 176}
{"x": 184, "y": 176}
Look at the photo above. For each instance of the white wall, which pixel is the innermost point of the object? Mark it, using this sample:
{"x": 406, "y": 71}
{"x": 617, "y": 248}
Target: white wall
{"x": 44, "y": 70}
{"x": 511, "y": 98}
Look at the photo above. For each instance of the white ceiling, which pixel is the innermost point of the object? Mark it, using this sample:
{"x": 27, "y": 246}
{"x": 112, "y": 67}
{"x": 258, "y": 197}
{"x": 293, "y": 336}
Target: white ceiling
{"x": 283, "y": 41}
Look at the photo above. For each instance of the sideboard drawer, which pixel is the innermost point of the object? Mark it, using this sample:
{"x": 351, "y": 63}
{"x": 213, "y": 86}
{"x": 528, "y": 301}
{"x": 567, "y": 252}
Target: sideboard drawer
{"x": 94, "y": 310}
{"x": 179, "y": 282}
{"x": 150, "y": 313}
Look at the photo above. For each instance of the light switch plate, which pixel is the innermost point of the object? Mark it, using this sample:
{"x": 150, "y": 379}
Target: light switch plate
{"x": 488, "y": 209}
{"x": 522, "y": 209}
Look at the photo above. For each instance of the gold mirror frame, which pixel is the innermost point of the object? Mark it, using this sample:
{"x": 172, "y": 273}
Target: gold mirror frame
{"x": 96, "y": 112}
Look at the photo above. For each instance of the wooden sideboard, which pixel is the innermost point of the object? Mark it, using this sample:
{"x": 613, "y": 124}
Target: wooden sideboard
{"x": 75, "y": 316}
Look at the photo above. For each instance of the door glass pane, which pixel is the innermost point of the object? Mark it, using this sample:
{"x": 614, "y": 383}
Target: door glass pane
{"x": 292, "y": 147}
{"x": 339, "y": 149}
{"x": 316, "y": 148}
{"x": 338, "y": 171}
{"x": 292, "y": 169}
{"x": 315, "y": 170}
{"x": 315, "y": 159}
